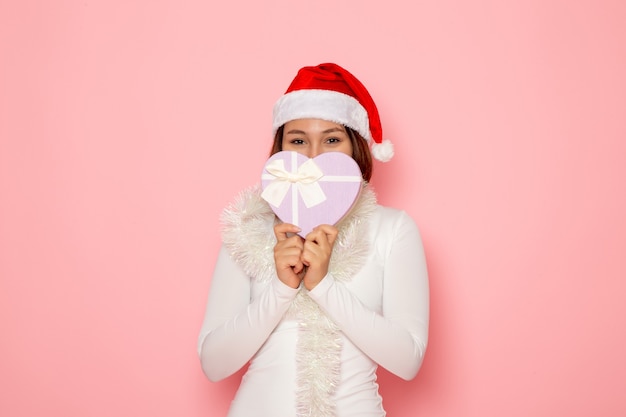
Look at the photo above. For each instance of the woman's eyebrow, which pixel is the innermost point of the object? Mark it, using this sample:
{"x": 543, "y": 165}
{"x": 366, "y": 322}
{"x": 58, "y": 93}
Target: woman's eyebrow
{"x": 334, "y": 129}
{"x": 302, "y": 132}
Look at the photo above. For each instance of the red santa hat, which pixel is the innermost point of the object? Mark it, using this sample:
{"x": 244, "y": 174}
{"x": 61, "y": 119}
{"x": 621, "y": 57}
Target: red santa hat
{"x": 329, "y": 92}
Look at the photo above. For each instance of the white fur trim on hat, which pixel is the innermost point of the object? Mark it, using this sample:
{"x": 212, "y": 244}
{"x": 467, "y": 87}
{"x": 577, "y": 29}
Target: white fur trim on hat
{"x": 322, "y": 104}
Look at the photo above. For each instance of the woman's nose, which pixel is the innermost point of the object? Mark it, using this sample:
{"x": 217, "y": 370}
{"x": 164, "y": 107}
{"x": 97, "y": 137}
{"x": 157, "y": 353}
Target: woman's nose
{"x": 313, "y": 151}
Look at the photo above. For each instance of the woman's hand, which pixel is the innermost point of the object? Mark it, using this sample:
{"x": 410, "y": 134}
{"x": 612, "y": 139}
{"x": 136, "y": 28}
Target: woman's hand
{"x": 288, "y": 254}
{"x": 318, "y": 247}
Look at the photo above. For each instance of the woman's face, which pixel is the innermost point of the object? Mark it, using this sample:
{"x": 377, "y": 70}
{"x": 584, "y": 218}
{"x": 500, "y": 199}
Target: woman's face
{"x": 312, "y": 137}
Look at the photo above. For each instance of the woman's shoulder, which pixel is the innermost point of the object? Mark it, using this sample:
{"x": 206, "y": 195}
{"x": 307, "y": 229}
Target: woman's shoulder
{"x": 393, "y": 221}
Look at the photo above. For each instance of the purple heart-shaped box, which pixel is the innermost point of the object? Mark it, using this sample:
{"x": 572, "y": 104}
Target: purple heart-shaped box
{"x": 308, "y": 192}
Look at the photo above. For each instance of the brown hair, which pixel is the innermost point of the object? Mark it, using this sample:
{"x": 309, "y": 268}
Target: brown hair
{"x": 360, "y": 150}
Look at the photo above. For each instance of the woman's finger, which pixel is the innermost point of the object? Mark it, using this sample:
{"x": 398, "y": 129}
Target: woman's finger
{"x": 281, "y": 230}
{"x": 324, "y": 233}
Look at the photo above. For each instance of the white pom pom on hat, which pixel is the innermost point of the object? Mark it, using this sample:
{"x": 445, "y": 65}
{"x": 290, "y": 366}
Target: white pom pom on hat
{"x": 329, "y": 92}
{"x": 382, "y": 151}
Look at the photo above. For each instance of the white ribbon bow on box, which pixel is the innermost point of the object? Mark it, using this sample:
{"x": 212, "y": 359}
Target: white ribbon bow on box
{"x": 304, "y": 181}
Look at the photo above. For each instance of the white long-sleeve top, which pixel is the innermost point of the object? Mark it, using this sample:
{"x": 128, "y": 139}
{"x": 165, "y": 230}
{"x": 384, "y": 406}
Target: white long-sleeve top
{"x": 382, "y": 314}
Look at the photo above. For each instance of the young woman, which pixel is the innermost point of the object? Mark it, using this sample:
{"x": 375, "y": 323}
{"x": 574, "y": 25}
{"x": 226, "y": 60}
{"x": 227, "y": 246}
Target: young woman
{"x": 313, "y": 317}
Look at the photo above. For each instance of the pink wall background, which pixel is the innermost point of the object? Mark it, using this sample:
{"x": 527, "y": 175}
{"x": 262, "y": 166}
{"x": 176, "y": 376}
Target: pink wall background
{"x": 126, "y": 126}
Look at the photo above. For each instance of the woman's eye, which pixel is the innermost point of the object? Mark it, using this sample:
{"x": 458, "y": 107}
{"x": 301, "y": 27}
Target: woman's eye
{"x": 296, "y": 141}
{"x": 333, "y": 140}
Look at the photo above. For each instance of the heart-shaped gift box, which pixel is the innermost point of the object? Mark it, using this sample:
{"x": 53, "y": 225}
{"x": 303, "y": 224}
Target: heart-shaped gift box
{"x": 308, "y": 192}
